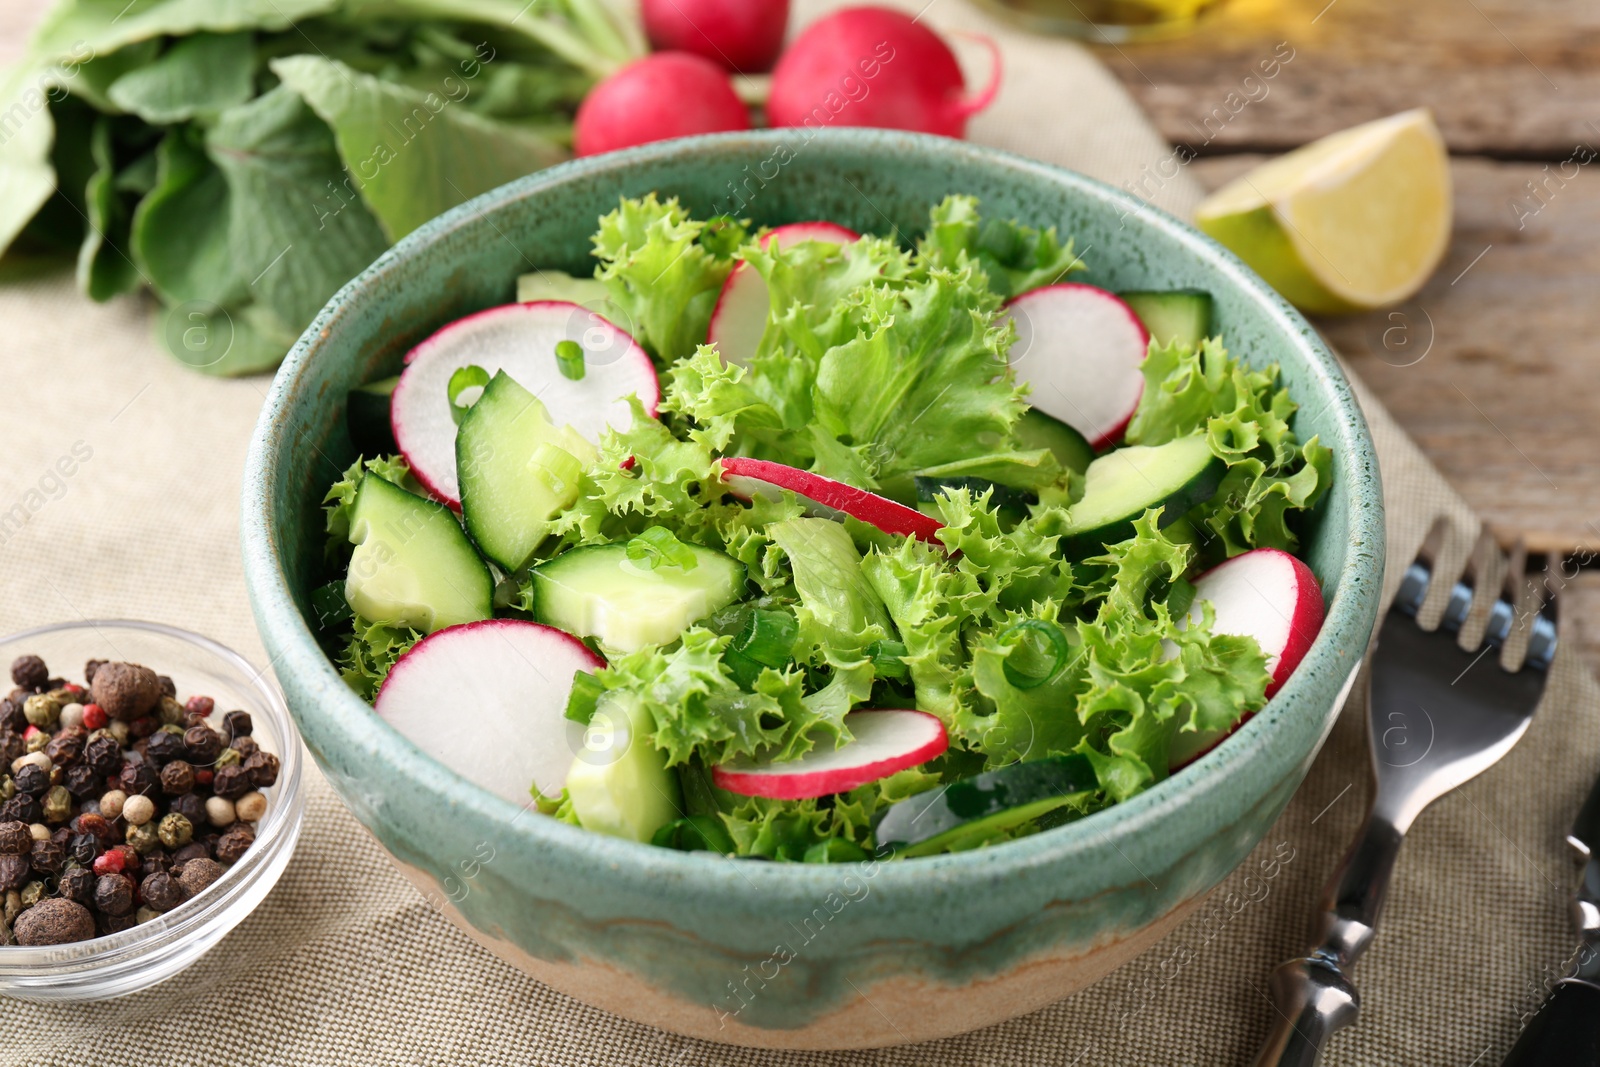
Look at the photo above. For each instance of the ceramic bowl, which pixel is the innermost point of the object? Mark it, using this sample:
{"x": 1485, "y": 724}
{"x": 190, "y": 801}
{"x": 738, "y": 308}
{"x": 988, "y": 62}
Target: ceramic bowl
{"x": 767, "y": 954}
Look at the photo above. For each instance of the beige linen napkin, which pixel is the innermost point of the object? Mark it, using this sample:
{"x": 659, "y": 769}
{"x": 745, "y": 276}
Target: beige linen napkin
{"x": 345, "y": 963}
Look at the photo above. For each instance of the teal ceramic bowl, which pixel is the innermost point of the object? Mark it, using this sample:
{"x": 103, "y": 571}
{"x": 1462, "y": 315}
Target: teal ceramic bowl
{"x": 768, "y": 954}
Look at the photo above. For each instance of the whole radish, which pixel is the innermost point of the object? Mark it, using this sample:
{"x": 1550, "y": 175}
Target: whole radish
{"x": 742, "y": 36}
{"x": 870, "y": 66}
{"x": 668, "y": 94}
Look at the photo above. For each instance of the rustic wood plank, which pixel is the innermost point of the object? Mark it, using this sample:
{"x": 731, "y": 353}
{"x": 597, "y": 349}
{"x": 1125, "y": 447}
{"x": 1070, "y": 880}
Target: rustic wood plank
{"x": 1493, "y": 368}
{"x": 1513, "y": 78}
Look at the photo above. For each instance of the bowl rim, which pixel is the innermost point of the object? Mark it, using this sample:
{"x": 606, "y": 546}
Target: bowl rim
{"x": 638, "y": 867}
{"x": 35, "y": 967}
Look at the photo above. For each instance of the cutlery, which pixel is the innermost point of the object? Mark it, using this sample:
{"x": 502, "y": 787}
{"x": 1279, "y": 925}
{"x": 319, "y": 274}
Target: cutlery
{"x": 1567, "y": 1028}
{"x": 1427, "y": 734}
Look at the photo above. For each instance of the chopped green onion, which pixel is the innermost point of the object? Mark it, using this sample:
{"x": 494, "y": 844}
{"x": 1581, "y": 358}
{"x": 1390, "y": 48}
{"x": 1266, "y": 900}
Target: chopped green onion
{"x": 1038, "y": 651}
{"x": 767, "y": 637}
{"x": 584, "y": 698}
{"x": 697, "y": 833}
{"x": 569, "y": 357}
{"x": 886, "y": 658}
{"x": 657, "y": 545}
{"x": 742, "y": 669}
{"x": 835, "y": 850}
{"x": 469, "y": 377}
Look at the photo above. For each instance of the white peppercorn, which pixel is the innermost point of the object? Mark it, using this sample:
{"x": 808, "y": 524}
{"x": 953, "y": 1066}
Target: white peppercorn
{"x": 220, "y": 811}
{"x": 111, "y": 804}
{"x": 250, "y": 807}
{"x": 72, "y": 715}
{"x": 138, "y": 810}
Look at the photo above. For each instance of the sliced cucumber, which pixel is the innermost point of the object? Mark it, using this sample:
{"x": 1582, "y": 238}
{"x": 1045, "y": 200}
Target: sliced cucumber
{"x": 619, "y": 783}
{"x": 366, "y": 413}
{"x": 1181, "y": 315}
{"x": 412, "y": 565}
{"x": 559, "y": 285}
{"x": 969, "y": 812}
{"x": 518, "y": 470}
{"x": 1121, "y": 485}
{"x": 1037, "y": 430}
{"x": 627, "y": 604}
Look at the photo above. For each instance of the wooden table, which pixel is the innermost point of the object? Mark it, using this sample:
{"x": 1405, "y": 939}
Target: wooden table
{"x": 1493, "y": 367}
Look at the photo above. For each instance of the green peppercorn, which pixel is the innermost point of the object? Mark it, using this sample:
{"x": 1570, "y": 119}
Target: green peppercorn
{"x": 227, "y": 758}
{"x": 12, "y": 906}
{"x": 175, "y": 831}
{"x": 8, "y": 787}
{"x": 142, "y": 838}
{"x": 57, "y": 804}
{"x": 32, "y": 893}
{"x": 171, "y": 712}
{"x": 38, "y": 741}
{"x": 41, "y": 710}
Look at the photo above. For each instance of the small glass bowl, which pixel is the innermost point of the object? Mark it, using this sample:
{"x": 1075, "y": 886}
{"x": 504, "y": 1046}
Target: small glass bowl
{"x": 152, "y": 952}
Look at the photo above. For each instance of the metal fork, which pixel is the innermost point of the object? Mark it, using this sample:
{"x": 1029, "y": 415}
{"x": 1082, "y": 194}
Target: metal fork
{"x": 1427, "y": 735}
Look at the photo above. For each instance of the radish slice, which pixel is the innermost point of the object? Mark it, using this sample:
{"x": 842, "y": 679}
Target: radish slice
{"x": 1080, "y": 348}
{"x": 521, "y": 340}
{"x": 826, "y": 498}
{"x": 1265, "y": 594}
{"x": 884, "y": 741}
{"x": 740, "y": 317}
{"x": 489, "y": 701}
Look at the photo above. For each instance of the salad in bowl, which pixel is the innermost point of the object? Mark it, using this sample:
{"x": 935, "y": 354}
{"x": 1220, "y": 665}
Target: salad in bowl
{"x": 806, "y": 545}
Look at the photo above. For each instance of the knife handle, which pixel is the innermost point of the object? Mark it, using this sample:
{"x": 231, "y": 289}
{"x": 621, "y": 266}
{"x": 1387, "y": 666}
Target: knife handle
{"x": 1565, "y": 1031}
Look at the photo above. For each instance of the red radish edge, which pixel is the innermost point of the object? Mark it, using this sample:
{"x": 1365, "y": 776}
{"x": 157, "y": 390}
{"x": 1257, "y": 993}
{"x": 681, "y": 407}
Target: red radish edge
{"x": 1305, "y": 622}
{"x": 429, "y": 480}
{"x": 772, "y": 781}
{"x": 1105, "y": 433}
{"x": 656, "y": 97}
{"x": 833, "y": 497}
{"x": 416, "y": 659}
{"x": 985, "y": 96}
{"x": 742, "y": 277}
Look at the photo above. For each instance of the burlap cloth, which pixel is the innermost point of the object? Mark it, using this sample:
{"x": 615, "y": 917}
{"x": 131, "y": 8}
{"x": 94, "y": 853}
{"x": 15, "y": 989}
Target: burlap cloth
{"x": 345, "y": 963}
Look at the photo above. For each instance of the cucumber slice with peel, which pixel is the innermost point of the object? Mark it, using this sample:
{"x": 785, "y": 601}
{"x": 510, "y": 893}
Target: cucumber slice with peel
{"x": 1037, "y": 430}
{"x": 1178, "y": 315}
{"x": 1123, "y": 484}
{"x": 969, "y": 812}
{"x": 619, "y": 782}
{"x": 412, "y": 565}
{"x": 518, "y": 470}
{"x": 626, "y": 603}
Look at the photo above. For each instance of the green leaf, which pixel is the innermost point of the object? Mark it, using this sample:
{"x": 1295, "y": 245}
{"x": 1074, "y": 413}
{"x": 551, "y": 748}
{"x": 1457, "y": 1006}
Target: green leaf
{"x": 27, "y": 180}
{"x": 840, "y": 612}
{"x": 103, "y": 26}
{"x": 294, "y": 240}
{"x": 411, "y": 155}
{"x": 369, "y": 653}
{"x": 105, "y": 268}
{"x": 203, "y": 74}
{"x": 1015, "y": 258}
{"x": 340, "y": 498}
{"x": 180, "y": 230}
{"x": 659, "y": 274}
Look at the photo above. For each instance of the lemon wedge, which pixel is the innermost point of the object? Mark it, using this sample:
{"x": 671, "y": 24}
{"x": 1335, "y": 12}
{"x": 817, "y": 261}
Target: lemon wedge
{"x": 1355, "y": 221}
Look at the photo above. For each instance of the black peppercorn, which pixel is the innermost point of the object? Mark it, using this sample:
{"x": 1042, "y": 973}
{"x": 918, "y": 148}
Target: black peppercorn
{"x": 143, "y": 727}
{"x": 78, "y": 884}
{"x": 164, "y": 747}
{"x": 115, "y": 924}
{"x": 232, "y": 782}
{"x": 15, "y": 839}
{"x": 83, "y": 849}
{"x": 81, "y": 781}
{"x": 197, "y": 874}
{"x": 32, "y": 779}
{"x": 161, "y": 892}
{"x": 168, "y": 688}
{"x": 65, "y": 748}
{"x": 89, "y": 669}
{"x": 29, "y": 672}
{"x": 11, "y": 716}
{"x": 14, "y": 871}
{"x": 193, "y": 851}
{"x": 233, "y": 844}
{"x": 202, "y": 745}
{"x": 245, "y": 746}
{"x": 113, "y": 894}
{"x": 177, "y": 777}
{"x": 136, "y": 777}
{"x": 237, "y": 724}
{"x": 12, "y": 746}
{"x": 191, "y": 806}
{"x": 22, "y": 808}
{"x": 263, "y": 768}
{"x": 48, "y": 857}
{"x": 156, "y": 861}
{"x": 103, "y": 755}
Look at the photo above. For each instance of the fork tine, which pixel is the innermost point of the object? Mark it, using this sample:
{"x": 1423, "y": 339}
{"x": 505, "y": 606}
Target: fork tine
{"x": 1542, "y": 635}
{"x": 1414, "y": 584}
{"x": 1479, "y": 562}
{"x": 1503, "y": 615}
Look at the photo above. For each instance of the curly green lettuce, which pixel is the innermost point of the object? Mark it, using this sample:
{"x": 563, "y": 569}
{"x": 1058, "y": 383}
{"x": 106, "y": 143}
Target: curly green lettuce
{"x": 340, "y": 498}
{"x": 1245, "y": 413}
{"x": 370, "y": 651}
{"x": 1015, "y": 258}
